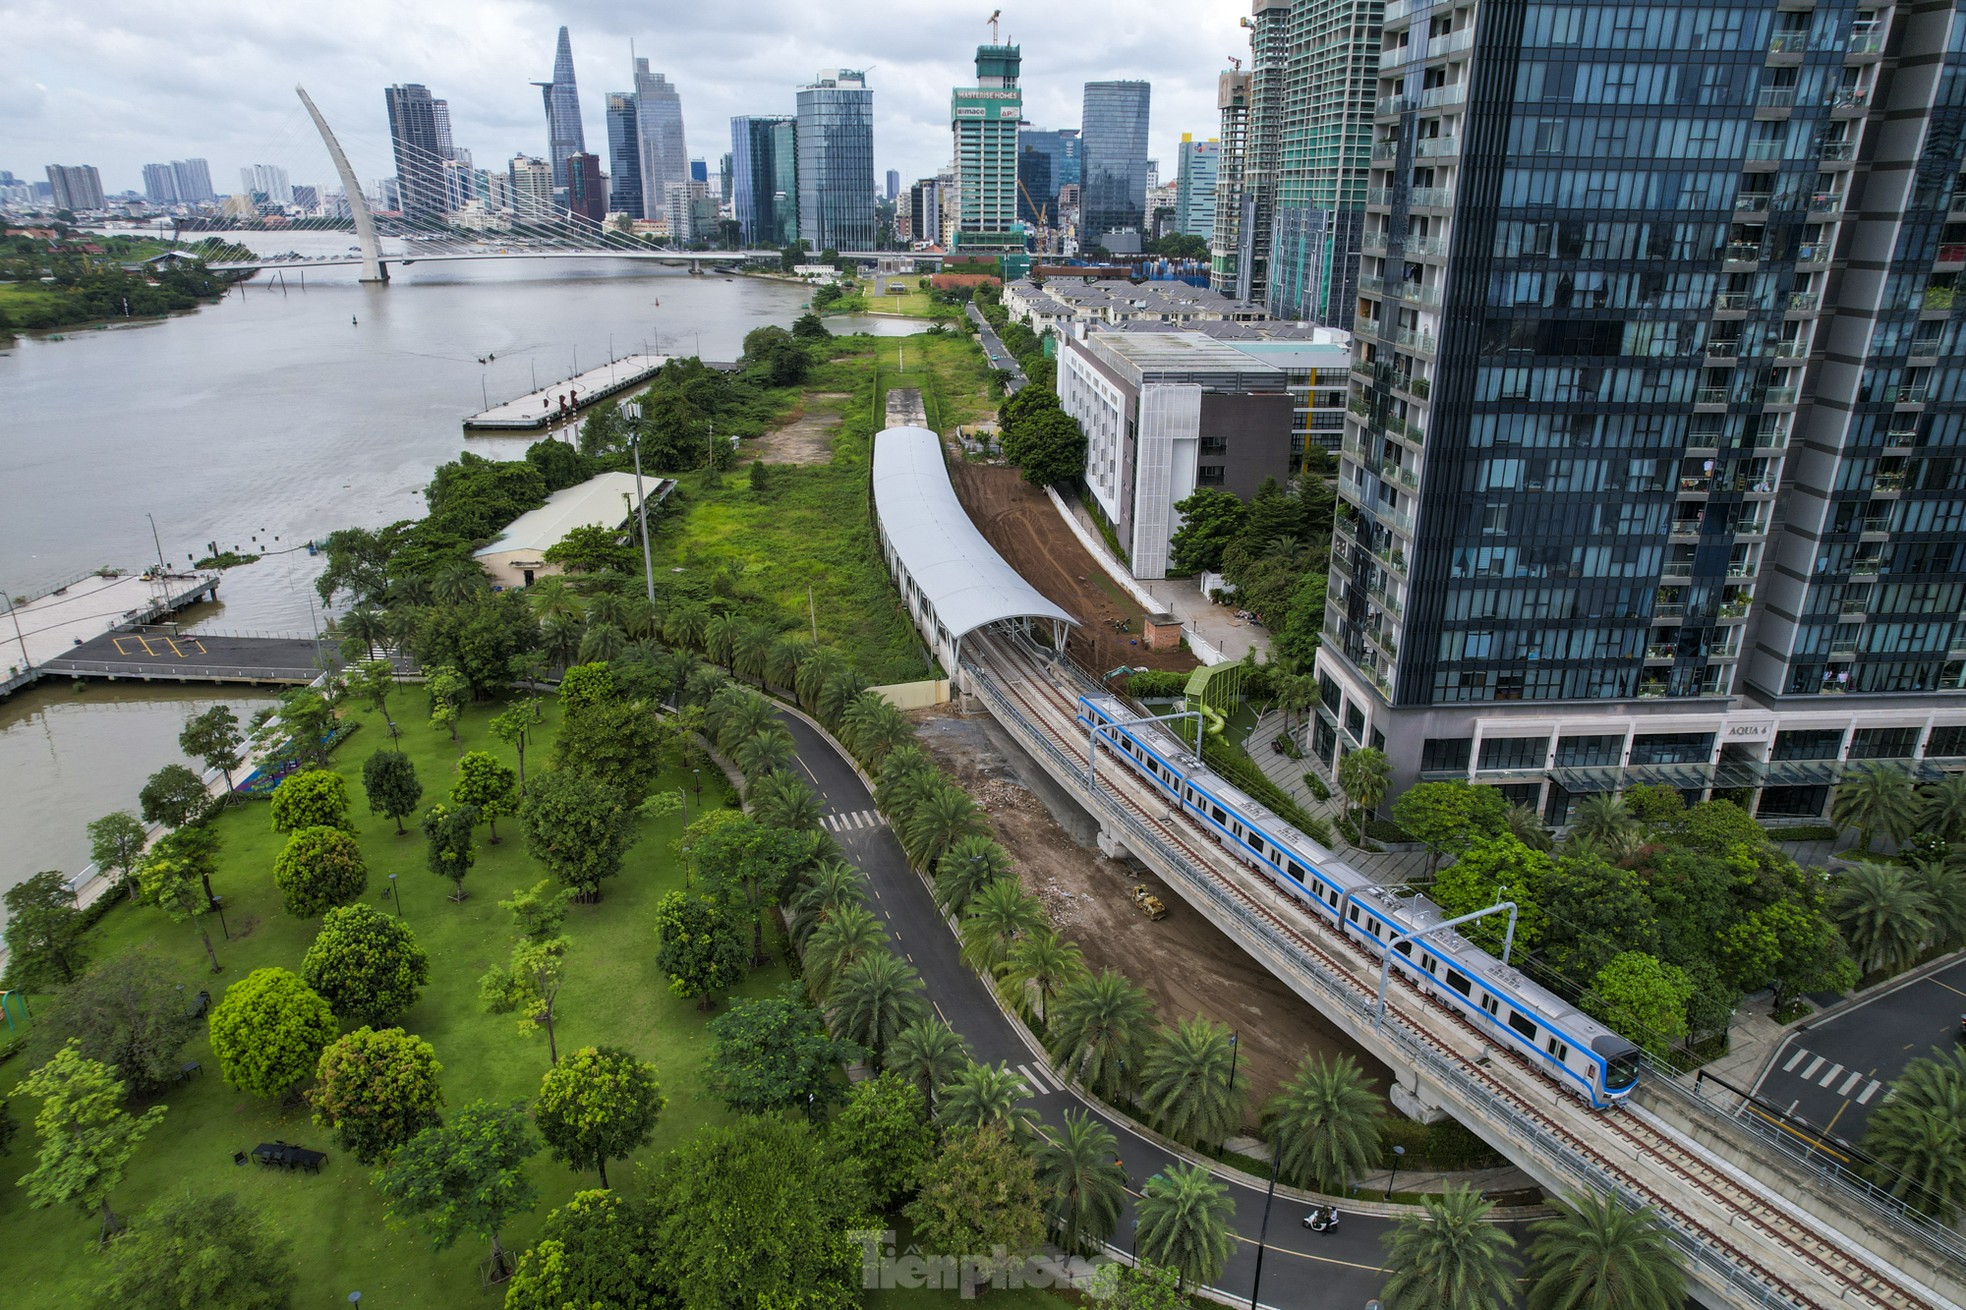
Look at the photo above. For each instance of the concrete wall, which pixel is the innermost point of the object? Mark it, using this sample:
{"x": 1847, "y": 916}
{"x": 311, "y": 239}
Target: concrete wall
{"x": 915, "y": 695}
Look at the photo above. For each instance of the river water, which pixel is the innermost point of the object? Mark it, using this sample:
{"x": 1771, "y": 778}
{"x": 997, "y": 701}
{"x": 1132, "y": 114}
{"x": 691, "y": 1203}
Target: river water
{"x": 277, "y": 415}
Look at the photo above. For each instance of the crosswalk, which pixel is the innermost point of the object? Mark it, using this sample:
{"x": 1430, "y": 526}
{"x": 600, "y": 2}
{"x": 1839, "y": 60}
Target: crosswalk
{"x": 1039, "y": 1078}
{"x": 1832, "y": 1075}
{"x": 856, "y": 821}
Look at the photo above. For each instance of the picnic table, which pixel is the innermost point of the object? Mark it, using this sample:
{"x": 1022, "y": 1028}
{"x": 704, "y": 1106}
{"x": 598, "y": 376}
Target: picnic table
{"x": 285, "y": 1155}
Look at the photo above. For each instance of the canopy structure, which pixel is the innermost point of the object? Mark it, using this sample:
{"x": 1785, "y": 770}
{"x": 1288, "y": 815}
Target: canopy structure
{"x": 953, "y": 580}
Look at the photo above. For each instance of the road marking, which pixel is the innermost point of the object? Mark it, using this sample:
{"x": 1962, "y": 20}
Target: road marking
{"x": 1949, "y": 987}
{"x": 1799, "y": 1056}
{"x": 1869, "y": 1092}
{"x": 1830, "y": 1077}
{"x": 1853, "y": 1080}
{"x": 1814, "y": 1065}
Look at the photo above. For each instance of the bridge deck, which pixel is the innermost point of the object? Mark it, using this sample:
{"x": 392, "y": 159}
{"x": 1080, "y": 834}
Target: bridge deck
{"x": 157, "y": 654}
{"x": 538, "y": 408}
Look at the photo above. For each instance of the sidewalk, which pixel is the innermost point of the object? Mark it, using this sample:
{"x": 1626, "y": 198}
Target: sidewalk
{"x": 1374, "y": 1183}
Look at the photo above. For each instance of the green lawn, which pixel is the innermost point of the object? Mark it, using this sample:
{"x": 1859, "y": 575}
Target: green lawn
{"x": 613, "y": 994}
{"x": 915, "y": 304}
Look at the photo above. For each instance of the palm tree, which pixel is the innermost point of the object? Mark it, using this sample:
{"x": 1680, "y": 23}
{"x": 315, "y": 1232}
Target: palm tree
{"x": 608, "y": 607}
{"x": 905, "y": 775}
{"x": 1603, "y": 820}
{"x": 1452, "y": 1259}
{"x": 1875, "y": 796}
{"x": 1182, "y": 1222}
{"x": 720, "y": 639}
{"x": 830, "y": 886}
{"x": 1527, "y": 827}
{"x": 1883, "y": 915}
{"x": 821, "y": 663}
{"x": 602, "y": 642}
{"x": 837, "y": 943}
{"x": 967, "y": 868}
{"x": 929, "y": 1053}
{"x": 403, "y": 623}
{"x": 1085, "y": 1186}
{"x": 458, "y": 581}
{"x": 1324, "y": 1124}
{"x": 783, "y": 800}
{"x": 938, "y": 821}
{"x": 683, "y": 626}
{"x": 769, "y": 748}
{"x": 982, "y": 1095}
{"x": 873, "y": 725}
{"x": 1035, "y": 968}
{"x": 838, "y": 691}
{"x": 704, "y": 681}
{"x": 640, "y": 619}
{"x": 365, "y": 626}
{"x": 1917, "y": 1135}
{"x": 1944, "y": 884}
{"x": 1363, "y": 776}
{"x": 782, "y": 663}
{"x": 1943, "y": 810}
{"x": 734, "y": 713}
{"x": 998, "y": 915}
{"x": 753, "y": 651}
{"x": 875, "y": 997}
{"x": 1100, "y": 1030}
{"x": 551, "y": 597}
{"x": 1186, "y": 1085}
{"x": 561, "y": 637}
{"x": 1598, "y": 1254}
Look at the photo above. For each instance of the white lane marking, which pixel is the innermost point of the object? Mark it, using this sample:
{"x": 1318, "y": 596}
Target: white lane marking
{"x": 1814, "y": 1065}
{"x": 1799, "y": 1056}
{"x": 1853, "y": 1080}
{"x": 1869, "y": 1092}
{"x": 1830, "y": 1077}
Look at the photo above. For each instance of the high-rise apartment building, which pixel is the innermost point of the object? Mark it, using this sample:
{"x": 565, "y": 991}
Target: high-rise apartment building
{"x": 724, "y": 179}
{"x": 764, "y": 167}
{"x": 565, "y": 135}
{"x": 836, "y": 161}
{"x": 75, "y": 186}
{"x": 419, "y": 150}
{"x": 266, "y": 183}
{"x": 193, "y": 178}
{"x": 1652, "y": 471}
{"x": 1047, "y": 163}
{"x": 1229, "y": 257}
{"x": 624, "y": 155}
{"x": 440, "y": 117}
{"x": 531, "y": 181}
{"x": 160, "y": 184}
{"x": 983, "y": 119}
{"x": 1194, "y": 193}
{"x": 1113, "y": 160}
{"x": 925, "y": 211}
{"x": 659, "y": 135}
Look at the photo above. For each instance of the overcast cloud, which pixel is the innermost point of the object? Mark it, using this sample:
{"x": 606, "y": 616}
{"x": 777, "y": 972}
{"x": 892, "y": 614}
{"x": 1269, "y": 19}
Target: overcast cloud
{"x": 122, "y": 83}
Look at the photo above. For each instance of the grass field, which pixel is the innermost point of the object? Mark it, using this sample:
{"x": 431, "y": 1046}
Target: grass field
{"x": 915, "y": 304}
{"x": 613, "y": 994}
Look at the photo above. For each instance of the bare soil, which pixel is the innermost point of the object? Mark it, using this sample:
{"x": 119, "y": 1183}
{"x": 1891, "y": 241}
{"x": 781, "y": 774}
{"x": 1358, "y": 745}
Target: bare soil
{"x": 1020, "y": 521}
{"x": 804, "y": 438}
{"x": 1185, "y": 963}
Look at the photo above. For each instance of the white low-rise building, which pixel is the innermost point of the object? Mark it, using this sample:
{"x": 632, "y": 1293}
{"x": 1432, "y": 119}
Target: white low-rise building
{"x": 518, "y": 557}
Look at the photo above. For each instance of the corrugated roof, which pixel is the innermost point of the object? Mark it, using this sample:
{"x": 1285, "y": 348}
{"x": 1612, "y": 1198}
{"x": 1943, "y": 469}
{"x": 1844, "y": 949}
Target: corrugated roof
{"x": 962, "y": 575}
{"x": 596, "y": 502}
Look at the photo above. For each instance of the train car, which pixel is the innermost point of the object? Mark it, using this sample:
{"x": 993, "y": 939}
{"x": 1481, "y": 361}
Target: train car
{"x": 1568, "y": 1045}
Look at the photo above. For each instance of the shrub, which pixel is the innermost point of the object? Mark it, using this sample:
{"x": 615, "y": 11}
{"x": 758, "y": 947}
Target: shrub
{"x": 1317, "y": 786}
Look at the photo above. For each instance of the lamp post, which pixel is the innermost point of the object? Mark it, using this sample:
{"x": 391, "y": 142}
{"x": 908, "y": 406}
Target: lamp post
{"x": 1263, "y": 1232}
{"x": 218, "y": 903}
{"x": 684, "y": 793}
{"x": 395, "y": 897}
{"x": 25, "y": 662}
{"x": 698, "y": 773}
{"x": 1399, "y": 1153}
{"x": 633, "y": 409}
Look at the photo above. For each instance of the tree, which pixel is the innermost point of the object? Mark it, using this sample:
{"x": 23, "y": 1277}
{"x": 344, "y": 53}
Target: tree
{"x": 1872, "y": 797}
{"x": 600, "y": 1105}
{"x": 837, "y": 943}
{"x": 214, "y": 1251}
{"x": 448, "y": 832}
{"x": 619, "y": 743}
{"x": 591, "y": 548}
{"x": 1607, "y": 821}
{"x": 43, "y": 934}
{"x": 1497, "y": 869}
{"x": 116, "y": 844}
{"x": 1594, "y": 909}
{"x": 1183, "y": 1223}
{"x": 936, "y": 823}
{"x": 998, "y": 917}
{"x": 1942, "y": 808}
{"x": 87, "y": 1138}
{"x": 1596, "y": 1253}
{"x": 579, "y": 828}
{"x": 467, "y": 1176}
{"x": 128, "y": 1013}
{"x": 1451, "y": 1259}
{"x": 1049, "y": 446}
{"x": 173, "y": 796}
{"x": 447, "y": 689}
{"x": 268, "y": 1031}
{"x": 1883, "y": 913}
{"x": 965, "y": 869}
{"x": 1102, "y": 1027}
{"x": 876, "y": 996}
{"x": 1036, "y": 967}
{"x": 1139, "y": 1286}
{"x": 393, "y": 789}
{"x": 365, "y": 964}
{"x": 980, "y": 1194}
{"x": 929, "y": 1053}
{"x": 1447, "y": 816}
{"x": 779, "y": 800}
{"x": 1084, "y": 1184}
{"x": 1190, "y": 1085}
{"x": 377, "y": 1090}
{"x": 1642, "y": 998}
{"x": 1789, "y": 947}
{"x": 773, "y": 1054}
{"x": 746, "y": 865}
{"x": 592, "y": 1252}
{"x": 529, "y": 985}
{"x": 1324, "y": 1125}
{"x": 698, "y": 946}
{"x": 214, "y": 740}
{"x": 314, "y": 798}
{"x": 375, "y": 679}
{"x": 320, "y": 868}
{"x": 884, "y": 1126}
{"x": 486, "y": 785}
{"x": 1363, "y": 776}
{"x": 1917, "y": 1135}
{"x": 1210, "y": 520}
{"x": 831, "y": 887}
{"x": 984, "y": 1096}
{"x": 172, "y": 878}
{"x": 514, "y": 728}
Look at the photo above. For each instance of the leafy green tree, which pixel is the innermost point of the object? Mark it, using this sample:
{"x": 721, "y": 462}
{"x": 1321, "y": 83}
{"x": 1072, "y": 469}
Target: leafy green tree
{"x": 214, "y": 740}
{"x": 1917, "y": 1135}
{"x": 1883, "y": 913}
{"x": 314, "y": 798}
{"x": 600, "y": 1105}
{"x": 1363, "y": 775}
{"x": 579, "y": 828}
{"x": 213, "y": 1251}
{"x": 529, "y": 985}
{"x": 1049, "y": 446}
{"x": 116, "y": 844}
{"x": 698, "y": 946}
{"x": 127, "y": 1012}
{"x": 514, "y": 728}
{"x": 268, "y": 1031}
{"x": 306, "y": 719}
{"x": 87, "y": 1138}
{"x": 1943, "y": 881}
{"x": 1140, "y": 1286}
{"x": 44, "y": 931}
{"x": 1491, "y": 870}
{"x": 1183, "y": 1223}
{"x": 173, "y": 796}
{"x": 1447, "y": 816}
{"x": 1942, "y": 808}
{"x": 447, "y": 689}
{"x": 367, "y": 965}
{"x": 876, "y": 997}
{"x": 618, "y": 743}
{"x": 1654, "y": 802}
{"x": 593, "y": 1252}
{"x": 1324, "y": 1124}
{"x": 884, "y": 1126}
{"x": 998, "y": 917}
{"x": 1190, "y": 1084}
{"x": 1210, "y": 520}
{"x": 830, "y": 887}
{"x": 1643, "y": 998}
{"x": 1596, "y": 1253}
{"x": 1594, "y": 909}
{"x": 486, "y": 785}
{"x": 1083, "y": 1182}
{"x": 1450, "y": 1259}
{"x": 320, "y": 868}
{"x": 591, "y": 548}
{"x": 779, "y": 800}
{"x": 873, "y": 726}
{"x": 171, "y": 878}
{"x": 980, "y": 1194}
{"x": 1605, "y": 820}
{"x": 772, "y": 1054}
{"x": 1874, "y": 797}
{"x": 929, "y": 1053}
{"x": 448, "y": 834}
{"x": 965, "y": 869}
{"x": 936, "y": 822}
{"x": 376, "y": 679}
{"x": 984, "y": 1096}
{"x": 1101, "y": 1031}
{"x": 747, "y": 866}
{"x": 376, "y": 1090}
{"x": 465, "y": 1177}
{"x": 393, "y": 789}
{"x": 1789, "y": 947}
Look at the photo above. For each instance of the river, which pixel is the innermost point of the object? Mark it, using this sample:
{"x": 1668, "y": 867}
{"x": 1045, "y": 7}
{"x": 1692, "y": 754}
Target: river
{"x": 272, "y": 417}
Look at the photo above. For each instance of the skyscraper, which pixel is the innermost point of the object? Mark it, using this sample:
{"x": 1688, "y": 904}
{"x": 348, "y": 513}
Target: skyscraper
{"x": 925, "y": 211}
{"x": 75, "y": 186}
{"x": 724, "y": 179}
{"x": 1651, "y": 468}
{"x": 764, "y": 179}
{"x": 836, "y": 162}
{"x": 659, "y": 133}
{"x": 267, "y": 181}
{"x": 1113, "y": 157}
{"x": 418, "y": 149}
{"x": 624, "y": 155}
{"x": 587, "y": 192}
{"x": 1194, "y": 204}
{"x": 194, "y": 181}
{"x": 1047, "y": 163}
{"x": 160, "y": 184}
{"x": 984, "y": 120}
{"x": 565, "y": 136}
{"x": 440, "y": 118}
{"x": 893, "y": 185}
{"x": 1229, "y": 269}
{"x": 531, "y": 180}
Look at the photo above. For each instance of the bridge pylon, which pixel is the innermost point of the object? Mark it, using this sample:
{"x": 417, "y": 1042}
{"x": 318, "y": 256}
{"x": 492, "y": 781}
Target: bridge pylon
{"x": 373, "y": 269}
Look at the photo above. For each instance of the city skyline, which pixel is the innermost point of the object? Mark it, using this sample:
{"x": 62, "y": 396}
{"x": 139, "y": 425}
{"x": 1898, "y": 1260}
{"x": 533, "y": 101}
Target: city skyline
{"x": 98, "y": 91}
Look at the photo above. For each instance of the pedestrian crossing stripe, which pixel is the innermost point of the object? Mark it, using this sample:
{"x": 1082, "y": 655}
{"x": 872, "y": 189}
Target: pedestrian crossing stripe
{"x": 1040, "y": 1079}
{"x": 855, "y": 821}
{"x": 1815, "y": 1072}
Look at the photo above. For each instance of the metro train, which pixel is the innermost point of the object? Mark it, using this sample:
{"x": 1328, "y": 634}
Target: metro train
{"x": 1562, "y": 1041}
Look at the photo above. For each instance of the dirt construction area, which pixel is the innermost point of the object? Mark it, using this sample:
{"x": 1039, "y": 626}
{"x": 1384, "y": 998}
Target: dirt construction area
{"x": 804, "y": 438}
{"x": 1020, "y": 521}
{"x": 1183, "y": 961}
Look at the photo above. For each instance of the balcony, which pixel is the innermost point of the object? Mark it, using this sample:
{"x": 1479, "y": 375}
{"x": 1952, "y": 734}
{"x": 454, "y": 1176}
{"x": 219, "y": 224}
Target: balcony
{"x": 1888, "y": 482}
{"x": 1842, "y": 646}
{"x": 1736, "y": 608}
{"x": 1671, "y": 611}
{"x": 1748, "y": 525}
{"x": 1659, "y": 652}
{"x": 1739, "y": 571}
{"x": 1876, "y": 525}
{"x": 1779, "y": 396}
{"x": 1752, "y": 202}
{"x": 1854, "y": 605}
{"x": 1803, "y": 302}
{"x": 1398, "y": 9}
{"x": 1374, "y": 243}
{"x": 1924, "y": 347}
{"x": 1838, "y": 152}
{"x": 1849, "y": 99}
{"x": 1437, "y": 147}
{"x": 1729, "y": 302}
{"x": 1742, "y": 252}
{"x": 1677, "y": 569}
{"x": 1825, "y": 204}
{"x": 1952, "y": 252}
{"x": 1412, "y": 339}
{"x": 1695, "y": 485}
{"x": 1937, "y": 298}
{"x": 1765, "y": 152}
{"x": 1788, "y": 43}
{"x": 1405, "y": 477}
{"x": 1789, "y": 350}
{"x": 1453, "y": 42}
{"x": 1419, "y": 245}
{"x": 1433, "y": 197}
{"x": 1775, "y": 97}
{"x": 1651, "y": 689}
{"x": 1385, "y": 150}
{"x": 1435, "y": 96}
{"x": 1912, "y": 395}
{"x": 1710, "y": 396}
{"x": 1866, "y": 568}
{"x": 1813, "y": 252}
{"x": 1390, "y": 105}
{"x": 1723, "y": 350}
{"x": 1870, "y": 43}
{"x": 1685, "y": 528}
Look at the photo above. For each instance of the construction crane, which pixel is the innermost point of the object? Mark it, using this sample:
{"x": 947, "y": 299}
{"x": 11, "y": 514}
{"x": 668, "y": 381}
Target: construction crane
{"x": 1032, "y": 201}
{"x": 1235, "y": 63}
{"x": 995, "y": 14}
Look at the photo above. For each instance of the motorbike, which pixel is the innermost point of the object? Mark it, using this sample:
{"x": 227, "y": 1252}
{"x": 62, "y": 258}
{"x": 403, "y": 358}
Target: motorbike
{"x": 1322, "y": 1219}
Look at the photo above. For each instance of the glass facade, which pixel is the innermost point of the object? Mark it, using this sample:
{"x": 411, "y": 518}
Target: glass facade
{"x": 565, "y": 137}
{"x": 1047, "y": 162}
{"x": 764, "y": 181}
{"x": 836, "y": 162}
{"x": 624, "y": 155}
{"x": 1113, "y": 157}
{"x": 659, "y": 134}
{"x": 1194, "y": 197}
{"x": 413, "y": 138}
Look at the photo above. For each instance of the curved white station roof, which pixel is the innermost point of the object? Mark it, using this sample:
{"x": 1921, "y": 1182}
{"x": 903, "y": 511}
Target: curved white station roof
{"x": 962, "y": 575}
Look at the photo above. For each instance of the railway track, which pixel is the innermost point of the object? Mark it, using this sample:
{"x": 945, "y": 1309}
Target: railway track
{"x": 1791, "y": 1257}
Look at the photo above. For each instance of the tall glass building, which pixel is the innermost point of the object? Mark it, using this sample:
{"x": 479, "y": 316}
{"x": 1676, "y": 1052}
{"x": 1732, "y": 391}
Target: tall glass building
{"x": 1194, "y": 197}
{"x": 1047, "y": 162}
{"x": 659, "y": 137}
{"x": 624, "y": 155}
{"x": 764, "y": 171}
{"x": 418, "y": 148}
{"x": 1655, "y": 465}
{"x": 565, "y": 136}
{"x": 1113, "y": 160}
{"x": 836, "y": 162}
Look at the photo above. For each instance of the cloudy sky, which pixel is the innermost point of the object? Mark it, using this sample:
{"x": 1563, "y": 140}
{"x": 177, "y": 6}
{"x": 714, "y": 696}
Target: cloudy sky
{"x": 121, "y": 83}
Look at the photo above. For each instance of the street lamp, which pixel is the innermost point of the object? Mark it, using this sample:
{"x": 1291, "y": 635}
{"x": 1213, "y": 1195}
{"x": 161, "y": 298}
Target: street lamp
{"x": 1399, "y": 1153}
{"x": 633, "y": 409}
{"x": 1263, "y": 1233}
{"x": 395, "y": 897}
{"x": 684, "y": 793}
{"x": 699, "y": 780}
{"x": 25, "y": 662}
{"x": 218, "y": 903}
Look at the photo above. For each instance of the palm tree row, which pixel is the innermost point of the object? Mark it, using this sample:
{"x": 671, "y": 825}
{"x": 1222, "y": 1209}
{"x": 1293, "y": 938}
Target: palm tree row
{"x": 1881, "y": 797}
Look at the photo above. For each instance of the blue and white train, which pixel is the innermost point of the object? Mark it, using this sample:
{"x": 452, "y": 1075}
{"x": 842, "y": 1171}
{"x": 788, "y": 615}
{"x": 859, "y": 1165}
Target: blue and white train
{"x": 1558, "y": 1038}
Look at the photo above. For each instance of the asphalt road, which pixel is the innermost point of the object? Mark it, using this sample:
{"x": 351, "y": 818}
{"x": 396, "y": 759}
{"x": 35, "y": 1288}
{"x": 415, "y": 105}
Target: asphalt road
{"x": 1301, "y": 1269}
{"x": 994, "y": 348}
{"x": 1835, "y": 1072}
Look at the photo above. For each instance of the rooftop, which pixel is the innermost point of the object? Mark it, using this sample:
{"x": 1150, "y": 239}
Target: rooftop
{"x": 604, "y": 501}
{"x": 1180, "y": 352}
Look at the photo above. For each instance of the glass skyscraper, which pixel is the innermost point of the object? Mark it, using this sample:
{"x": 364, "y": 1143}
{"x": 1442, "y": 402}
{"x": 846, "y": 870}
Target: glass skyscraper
{"x": 1047, "y": 162}
{"x": 1113, "y": 160}
{"x": 418, "y": 148}
{"x": 624, "y": 155}
{"x": 659, "y": 136}
{"x": 765, "y": 178}
{"x": 836, "y": 162}
{"x": 1655, "y": 465}
{"x": 1194, "y": 200}
{"x": 565, "y": 136}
